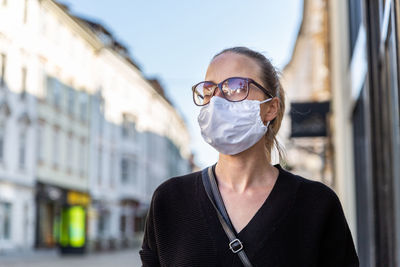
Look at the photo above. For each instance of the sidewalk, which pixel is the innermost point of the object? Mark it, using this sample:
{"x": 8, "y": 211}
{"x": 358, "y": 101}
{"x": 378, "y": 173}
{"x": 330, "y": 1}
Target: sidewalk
{"x": 51, "y": 258}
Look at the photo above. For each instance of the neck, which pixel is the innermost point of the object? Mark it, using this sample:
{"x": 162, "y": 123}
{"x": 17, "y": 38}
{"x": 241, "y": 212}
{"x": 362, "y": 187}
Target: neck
{"x": 246, "y": 170}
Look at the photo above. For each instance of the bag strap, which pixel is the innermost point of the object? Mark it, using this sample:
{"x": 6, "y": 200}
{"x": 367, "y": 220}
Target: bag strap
{"x": 214, "y": 195}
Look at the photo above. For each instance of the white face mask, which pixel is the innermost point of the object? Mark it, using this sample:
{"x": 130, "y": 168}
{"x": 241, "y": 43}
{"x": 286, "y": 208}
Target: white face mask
{"x": 232, "y": 127}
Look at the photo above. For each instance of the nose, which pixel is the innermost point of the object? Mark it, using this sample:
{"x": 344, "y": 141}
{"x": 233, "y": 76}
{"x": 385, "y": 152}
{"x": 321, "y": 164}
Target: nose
{"x": 218, "y": 92}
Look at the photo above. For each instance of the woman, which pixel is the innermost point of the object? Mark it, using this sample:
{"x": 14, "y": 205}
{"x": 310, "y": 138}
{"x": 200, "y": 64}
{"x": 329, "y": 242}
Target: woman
{"x": 280, "y": 219}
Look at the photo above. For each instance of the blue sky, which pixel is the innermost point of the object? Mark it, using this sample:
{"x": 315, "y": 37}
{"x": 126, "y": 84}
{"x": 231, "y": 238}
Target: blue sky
{"x": 175, "y": 40}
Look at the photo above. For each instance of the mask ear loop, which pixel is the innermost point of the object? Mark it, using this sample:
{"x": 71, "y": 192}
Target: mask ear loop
{"x": 266, "y": 100}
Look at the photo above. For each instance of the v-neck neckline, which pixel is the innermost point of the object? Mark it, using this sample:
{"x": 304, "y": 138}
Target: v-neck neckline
{"x": 265, "y": 202}
{"x": 267, "y": 218}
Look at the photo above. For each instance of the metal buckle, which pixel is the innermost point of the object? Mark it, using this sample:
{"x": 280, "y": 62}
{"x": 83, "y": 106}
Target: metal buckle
{"x": 234, "y": 243}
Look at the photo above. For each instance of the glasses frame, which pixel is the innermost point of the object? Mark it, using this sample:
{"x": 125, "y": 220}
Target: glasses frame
{"x": 219, "y": 85}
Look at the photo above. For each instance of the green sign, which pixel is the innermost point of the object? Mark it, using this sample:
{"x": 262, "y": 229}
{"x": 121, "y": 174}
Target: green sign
{"x": 72, "y": 227}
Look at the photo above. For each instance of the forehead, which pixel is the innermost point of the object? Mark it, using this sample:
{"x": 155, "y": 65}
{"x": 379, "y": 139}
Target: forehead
{"x": 232, "y": 65}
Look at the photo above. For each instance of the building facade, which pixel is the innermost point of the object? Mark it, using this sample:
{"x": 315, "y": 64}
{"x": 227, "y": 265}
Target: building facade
{"x": 17, "y": 159}
{"x": 365, "y": 75}
{"x": 64, "y": 55}
{"x": 138, "y": 141}
{"x": 306, "y": 80}
{"x": 18, "y": 121}
{"x": 321, "y": 137}
{"x": 94, "y": 136}
{"x": 347, "y": 52}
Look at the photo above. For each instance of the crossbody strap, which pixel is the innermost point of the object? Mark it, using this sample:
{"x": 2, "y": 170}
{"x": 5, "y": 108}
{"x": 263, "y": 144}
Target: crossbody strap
{"x": 214, "y": 195}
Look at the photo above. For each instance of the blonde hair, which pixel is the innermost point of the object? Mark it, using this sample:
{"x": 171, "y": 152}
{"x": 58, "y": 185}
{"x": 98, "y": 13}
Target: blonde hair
{"x": 270, "y": 77}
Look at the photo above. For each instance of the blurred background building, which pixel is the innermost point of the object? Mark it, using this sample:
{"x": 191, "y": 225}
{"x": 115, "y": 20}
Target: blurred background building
{"x": 306, "y": 79}
{"x": 365, "y": 78}
{"x": 343, "y": 123}
{"x": 85, "y": 138}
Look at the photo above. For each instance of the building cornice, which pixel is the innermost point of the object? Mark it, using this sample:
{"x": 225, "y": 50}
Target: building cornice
{"x": 73, "y": 23}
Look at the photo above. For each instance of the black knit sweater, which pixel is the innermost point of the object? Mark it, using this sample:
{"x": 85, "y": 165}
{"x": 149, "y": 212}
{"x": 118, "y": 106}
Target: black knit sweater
{"x": 300, "y": 224}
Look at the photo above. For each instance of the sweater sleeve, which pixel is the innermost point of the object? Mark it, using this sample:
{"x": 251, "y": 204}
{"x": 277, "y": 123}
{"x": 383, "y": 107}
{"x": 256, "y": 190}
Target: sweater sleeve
{"x": 337, "y": 247}
{"x": 148, "y": 252}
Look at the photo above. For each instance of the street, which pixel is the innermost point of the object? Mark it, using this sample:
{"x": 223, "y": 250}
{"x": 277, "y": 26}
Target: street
{"x": 53, "y": 259}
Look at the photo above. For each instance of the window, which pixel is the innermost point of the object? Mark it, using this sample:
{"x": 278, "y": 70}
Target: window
{"x": 133, "y": 172}
{"x": 104, "y": 223}
{"x": 54, "y": 88}
{"x": 128, "y": 170}
{"x": 49, "y": 88}
{"x": 56, "y": 156}
{"x": 382, "y": 4}
{"x": 99, "y": 165}
{"x": 71, "y": 100}
{"x": 40, "y": 143}
{"x": 83, "y": 106}
{"x": 101, "y": 224}
{"x": 5, "y": 221}
{"x": 57, "y": 93}
{"x": 128, "y": 127}
{"x": 23, "y": 80}
{"x": 102, "y": 105}
{"x": 26, "y": 222}
{"x": 82, "y": 157}
{"x": 111, "y": 169}
{"x": 101, "y": 125}
{"x": 77, "y": 150}
{"x": 125, "y": 129}
{"x": 122, "y": 225}
{"x": 70, "y": 151}
{"x": 3, "y": 69}
{"x": 41, "y": 75}
{"x": 124, "y": 170}
{"x": 125, "y": 126}
{"x": 22, "y": 147}
{"x": 355, "y": 19}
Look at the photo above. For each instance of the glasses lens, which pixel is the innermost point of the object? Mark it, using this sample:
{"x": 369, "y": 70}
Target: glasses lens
{"x": 203, "y": 92}
{"x": 235, "y": 89}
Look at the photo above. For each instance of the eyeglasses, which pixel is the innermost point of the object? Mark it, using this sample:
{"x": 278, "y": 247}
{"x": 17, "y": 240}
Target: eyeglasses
{"x": 233, "y": 89}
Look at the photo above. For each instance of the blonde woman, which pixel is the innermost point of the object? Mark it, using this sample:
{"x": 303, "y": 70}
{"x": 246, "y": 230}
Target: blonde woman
{"x": 244, "y": 211}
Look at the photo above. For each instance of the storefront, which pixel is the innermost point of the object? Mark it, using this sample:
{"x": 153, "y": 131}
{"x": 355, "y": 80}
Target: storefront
{"x": 49, "y": 202}
{"x": 61, "y": 218}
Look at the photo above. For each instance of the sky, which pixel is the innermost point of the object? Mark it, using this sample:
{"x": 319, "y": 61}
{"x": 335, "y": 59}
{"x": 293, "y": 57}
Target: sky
{"x": 174, "y": 41}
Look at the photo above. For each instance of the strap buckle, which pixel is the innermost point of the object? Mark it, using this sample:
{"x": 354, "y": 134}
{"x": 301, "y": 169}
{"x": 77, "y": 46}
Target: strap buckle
{"x": 236, "y": 245}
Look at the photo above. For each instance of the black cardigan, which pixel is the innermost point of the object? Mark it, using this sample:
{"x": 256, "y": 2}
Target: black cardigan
{"x": 300, "y": 224}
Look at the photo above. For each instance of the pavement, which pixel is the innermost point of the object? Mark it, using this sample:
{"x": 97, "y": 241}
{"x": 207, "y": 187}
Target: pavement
{"x": 120, "y": 258}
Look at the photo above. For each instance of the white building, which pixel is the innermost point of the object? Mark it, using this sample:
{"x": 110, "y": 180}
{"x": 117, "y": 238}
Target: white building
{"x": 65, "y": 54}
{"x": 138, "y": 141}
{"x": 45, "y": 62}
{"x": 95, "y": 132}
{"x": 18, "y": 123}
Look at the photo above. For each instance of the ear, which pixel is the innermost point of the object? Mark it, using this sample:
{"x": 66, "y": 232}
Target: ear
{"x": 270, "y": 110}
